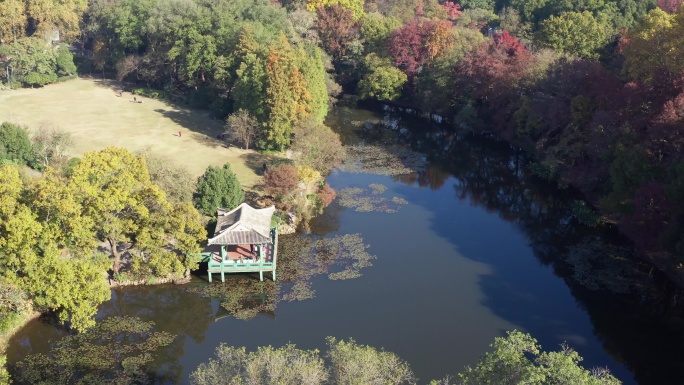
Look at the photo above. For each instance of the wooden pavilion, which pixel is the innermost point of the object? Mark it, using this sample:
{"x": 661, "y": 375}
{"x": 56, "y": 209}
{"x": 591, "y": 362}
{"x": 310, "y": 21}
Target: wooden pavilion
{"x": 244, "y": 241}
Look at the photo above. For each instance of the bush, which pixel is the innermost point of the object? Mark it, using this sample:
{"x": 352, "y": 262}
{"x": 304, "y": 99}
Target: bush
{"x": 65, "y": 62}
{"x": 281, "y": 180}
{"x": 307, "y": 174}
{"x": 15, "y": 144}
{"x": 218, "y": 187}
{"x": 38, "y": 79}
{"x": 326, "y": 195}
{"x": 151, "y": 93}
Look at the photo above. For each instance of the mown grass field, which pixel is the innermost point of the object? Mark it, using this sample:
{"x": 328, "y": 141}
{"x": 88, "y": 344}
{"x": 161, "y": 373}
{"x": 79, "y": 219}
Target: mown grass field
{"x": 96, "y": 118}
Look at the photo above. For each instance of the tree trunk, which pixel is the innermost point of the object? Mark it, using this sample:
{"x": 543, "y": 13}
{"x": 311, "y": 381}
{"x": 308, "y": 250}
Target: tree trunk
{"x": 115, "y": 254}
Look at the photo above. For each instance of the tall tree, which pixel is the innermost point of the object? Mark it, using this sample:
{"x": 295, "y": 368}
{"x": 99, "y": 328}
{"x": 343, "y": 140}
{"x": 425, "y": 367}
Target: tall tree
{"x": 510, "y": 363}
{"x": 115, "y": 191}
{"x": 418, "y": 42}
{"x": 287, "y": 101}
{"x": 337, "y": 28}
{"x": 13, "y": 20}
{"x": 653, "y": 48}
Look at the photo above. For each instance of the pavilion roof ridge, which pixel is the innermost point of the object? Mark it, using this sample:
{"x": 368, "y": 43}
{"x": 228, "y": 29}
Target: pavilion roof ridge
{"x": 243, "y": 224}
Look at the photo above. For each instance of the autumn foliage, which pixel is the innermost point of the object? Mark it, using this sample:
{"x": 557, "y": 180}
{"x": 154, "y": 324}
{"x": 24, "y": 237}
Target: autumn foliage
{"x": 337, "y": 27}
{"x": 281, "y": 180}
{"x": 420, "y": 40}
{"x": 326, "y": 195}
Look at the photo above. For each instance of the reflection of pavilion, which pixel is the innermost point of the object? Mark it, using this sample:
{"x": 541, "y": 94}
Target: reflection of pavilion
{"x": 244, "y": 241}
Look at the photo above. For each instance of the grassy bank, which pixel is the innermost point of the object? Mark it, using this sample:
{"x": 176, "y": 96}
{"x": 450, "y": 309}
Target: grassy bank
{"x": 96, "y": 117}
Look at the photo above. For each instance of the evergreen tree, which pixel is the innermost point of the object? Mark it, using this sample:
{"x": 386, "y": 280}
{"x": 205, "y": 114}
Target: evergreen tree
{"x": 218, "y": 187}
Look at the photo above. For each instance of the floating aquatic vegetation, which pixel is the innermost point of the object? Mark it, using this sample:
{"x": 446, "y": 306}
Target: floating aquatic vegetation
{"x": 368, "y": 200}
{"x": 383, "y": 160}
{"x": 399, "y": 201}
{"x": 299, "y": 260}
{"x": 377, "y": 188}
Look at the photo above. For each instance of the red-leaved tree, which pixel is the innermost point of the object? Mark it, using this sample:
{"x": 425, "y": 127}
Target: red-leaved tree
{"x": 326, "y": 194}
{"x": 281, "y": 180}
{"x": 337, "y": 29}
{"x": 490, "y": 74}
{"x": 418, "y": 41}
{"x": 670, "y": 6}
{"x": 453, "y": 10}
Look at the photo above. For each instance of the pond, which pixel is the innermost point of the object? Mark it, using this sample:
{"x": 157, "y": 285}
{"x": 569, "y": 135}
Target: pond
{"x": 468, "y": 245}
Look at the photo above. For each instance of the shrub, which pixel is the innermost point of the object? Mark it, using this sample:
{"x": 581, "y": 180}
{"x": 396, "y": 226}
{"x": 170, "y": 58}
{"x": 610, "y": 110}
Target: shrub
{"x": 38, "y": 79}
{"x": 15, "y": 144}
{"x": 281, "y": 180}
{"x": 65, "y": 62}
{"x": 326, "y": 195}
{"x": 307, "y": 174}
{"x": 151, "y": 93}
{"x": 218, "y": 187}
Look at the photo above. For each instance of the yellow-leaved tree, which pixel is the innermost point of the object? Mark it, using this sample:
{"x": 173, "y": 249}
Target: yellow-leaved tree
{"x": 655, "y": 45}
{"x": 356, "y": 6}
{"x": 133, "y": 215}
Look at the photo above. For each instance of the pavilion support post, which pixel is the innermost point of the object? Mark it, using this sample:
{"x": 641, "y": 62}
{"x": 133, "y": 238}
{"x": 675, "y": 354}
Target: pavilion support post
{"x": 261, "y": 275}
{"x": 223, "y": 276}
{"x": 209, "y": 273}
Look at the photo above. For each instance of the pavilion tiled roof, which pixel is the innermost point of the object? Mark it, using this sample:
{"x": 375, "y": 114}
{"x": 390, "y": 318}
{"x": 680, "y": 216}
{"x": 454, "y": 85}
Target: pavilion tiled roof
{"x": 243, "y": 225}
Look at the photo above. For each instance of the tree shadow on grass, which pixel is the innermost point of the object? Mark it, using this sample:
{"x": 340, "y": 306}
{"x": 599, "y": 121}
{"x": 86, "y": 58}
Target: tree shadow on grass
{"x": 256, "y": 161}
{"x": 203, "y": 129}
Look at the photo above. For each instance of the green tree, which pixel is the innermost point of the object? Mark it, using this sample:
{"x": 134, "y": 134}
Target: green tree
{"x": 435, "y": 82}
{"x": 382, "y": 81}
{"x": 575, "y": 33}
{"x": 32, "y": 259}
{"x": 218, "y": 187}
{"x": 353, "y": 364}
{"x": 33, "y": 62}
{"x": 113, "y": 190}
{"x": 518, "y": 359}
{"x": 356, "y": 6}
{"x": 249, "y": 93}
{"x": 65, "y": 61}
{"x": 376, "y": 30}
{"x": 654, "y": 46}
{"x": 15, "y": 144}
{"x": 13, "y": 20}
{"x": 267, "y": 365}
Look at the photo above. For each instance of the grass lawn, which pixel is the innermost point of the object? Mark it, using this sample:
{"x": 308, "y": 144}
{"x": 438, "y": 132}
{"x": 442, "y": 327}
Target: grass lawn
{"x": 96, "y": 118}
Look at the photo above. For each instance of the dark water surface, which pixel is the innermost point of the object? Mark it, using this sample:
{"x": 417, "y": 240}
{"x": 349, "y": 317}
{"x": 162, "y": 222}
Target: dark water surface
{"x": 481, "y": 247}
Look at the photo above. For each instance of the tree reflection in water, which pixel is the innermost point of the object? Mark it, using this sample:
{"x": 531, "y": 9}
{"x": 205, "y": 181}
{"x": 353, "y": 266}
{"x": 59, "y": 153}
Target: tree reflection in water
{"x": 634, "y": 309}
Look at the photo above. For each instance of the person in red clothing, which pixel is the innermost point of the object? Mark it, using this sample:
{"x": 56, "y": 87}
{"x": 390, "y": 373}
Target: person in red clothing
{"x": 179, "y": 133}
